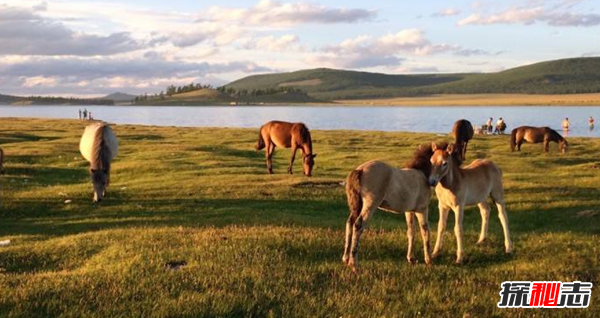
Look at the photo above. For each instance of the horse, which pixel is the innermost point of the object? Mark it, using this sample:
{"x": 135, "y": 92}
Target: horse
{"x": 457, "y": 187}
{"x": 462, "y": 131}
{"x": 537, "y": 135}
{"x": 286, "y": 135}
{"x": 377, "y": 185}
{"x": 99, "y": 146}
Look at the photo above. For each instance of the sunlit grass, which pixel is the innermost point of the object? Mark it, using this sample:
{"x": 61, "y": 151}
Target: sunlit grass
{"x": 270, "y": 245}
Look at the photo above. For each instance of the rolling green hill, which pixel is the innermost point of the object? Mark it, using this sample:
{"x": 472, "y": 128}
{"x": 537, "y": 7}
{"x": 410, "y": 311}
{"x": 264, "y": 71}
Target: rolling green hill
{"x": 567, "y": 76}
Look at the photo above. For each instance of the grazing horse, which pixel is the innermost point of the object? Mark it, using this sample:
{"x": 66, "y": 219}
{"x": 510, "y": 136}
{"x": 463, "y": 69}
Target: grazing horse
{"x": 536, "y": 135}
{"x": 374, "y": 185}
{"x": 458, "y": 187}
{"x": 462, "y": 133}
{"x": 286, "y": 135}
{"x": 99, "y": 146}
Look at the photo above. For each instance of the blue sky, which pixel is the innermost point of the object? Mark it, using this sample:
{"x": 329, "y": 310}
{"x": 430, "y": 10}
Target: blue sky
{"x": 89, "y": 48}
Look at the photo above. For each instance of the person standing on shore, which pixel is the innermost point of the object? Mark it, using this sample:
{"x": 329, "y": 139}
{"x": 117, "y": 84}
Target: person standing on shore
{"x": 566, "y": 124}
{"x": 85, "y": 113}
{"x": 79, "y": 113}
{"x": 591, "y": 122}
{"x": 489, "y": 125}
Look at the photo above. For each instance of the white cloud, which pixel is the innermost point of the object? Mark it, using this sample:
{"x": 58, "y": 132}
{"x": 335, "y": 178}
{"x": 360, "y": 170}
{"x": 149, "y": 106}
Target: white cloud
{"x": 448, "y": 12}
{"x": 288, "y": 42}
{"x": 365, "y": 51}
{"x": 555, "y": 15}
{"x": 268, "y": 12}
{"x": 24, "y": 32}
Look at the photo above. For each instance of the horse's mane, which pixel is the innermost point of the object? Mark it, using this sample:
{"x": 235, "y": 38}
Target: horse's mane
{"x": 100, "y": 152}
{"x": 422, "y": 158}
{"x": 556, "y": 135}
{"x": 305, "y": 135}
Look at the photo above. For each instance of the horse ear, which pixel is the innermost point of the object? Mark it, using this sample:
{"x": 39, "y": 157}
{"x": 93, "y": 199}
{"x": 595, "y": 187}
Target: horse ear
{"x": 434, "y": 146}
{"x": 450, "y": 148}
{"x": 314, "y": 156}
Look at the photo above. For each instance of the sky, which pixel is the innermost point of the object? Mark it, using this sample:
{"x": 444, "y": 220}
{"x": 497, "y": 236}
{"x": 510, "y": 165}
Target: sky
{"x": 92, "y": 48}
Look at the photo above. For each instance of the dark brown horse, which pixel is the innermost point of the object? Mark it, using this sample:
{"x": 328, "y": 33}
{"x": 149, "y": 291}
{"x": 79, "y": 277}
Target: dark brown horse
{"x": 286, "y": 135}
{"x": 462, "y": 133}
{"x": 536, "y": 135}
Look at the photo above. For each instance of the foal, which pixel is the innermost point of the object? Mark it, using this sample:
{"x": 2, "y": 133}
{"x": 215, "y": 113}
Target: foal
{"x": 458, "y": 187}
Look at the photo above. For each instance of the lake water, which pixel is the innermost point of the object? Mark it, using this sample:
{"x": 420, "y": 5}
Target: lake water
{"x": 420, "y": 119}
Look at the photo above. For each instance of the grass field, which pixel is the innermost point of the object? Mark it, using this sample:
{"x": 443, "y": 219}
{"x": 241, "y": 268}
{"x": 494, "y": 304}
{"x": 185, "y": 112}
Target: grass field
{"x": 263, "y": 245}
{"x": 483, "y": 100}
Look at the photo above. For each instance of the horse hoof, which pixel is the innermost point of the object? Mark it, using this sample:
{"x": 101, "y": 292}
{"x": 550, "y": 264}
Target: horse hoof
{"x": 435, "y": 255}
{"x": 412, "y": 260}
{"x": 481, "y": 241}
{"x": 459, "y": 261}
{"x": 429, "y": 262}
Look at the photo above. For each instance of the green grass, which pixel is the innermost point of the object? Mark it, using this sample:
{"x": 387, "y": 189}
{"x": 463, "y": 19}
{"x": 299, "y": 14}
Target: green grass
{"x": 270, "y": 245}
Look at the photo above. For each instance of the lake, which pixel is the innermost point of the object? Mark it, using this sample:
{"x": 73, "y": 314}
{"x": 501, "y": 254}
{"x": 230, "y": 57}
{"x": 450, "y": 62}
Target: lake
{"x": 419, "y": 119}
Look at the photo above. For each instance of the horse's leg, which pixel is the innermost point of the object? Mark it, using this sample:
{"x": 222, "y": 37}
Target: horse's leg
{"x": 508, "y": 245}
{"x": 458, "y": 232}
{"x": 546, "y": 145}
{"x": 294, "y": 149}
{"x": 410, "y": 234}
{"x": 424, "y": 227}
{"x": 484, "y": 210}
{"x": 519, "y": 145}
{"x": 347, "y": 241}
{"x": 441, "y": 229}
{"x": 358, "y": 228}
{"x": 270, "y": 149}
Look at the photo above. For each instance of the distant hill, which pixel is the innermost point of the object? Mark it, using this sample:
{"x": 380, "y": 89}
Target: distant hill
{"x": 49, "y": 100}
{"x": 7, "y": 99}
{"x": 567, "y": 76}
{"x": 210, "y": 96}
{"x": 119, "y": 97}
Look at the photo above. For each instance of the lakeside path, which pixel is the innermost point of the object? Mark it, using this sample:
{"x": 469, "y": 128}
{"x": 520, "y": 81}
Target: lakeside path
{"x": 271, "y": 245}
{"x": 483, "y": 100}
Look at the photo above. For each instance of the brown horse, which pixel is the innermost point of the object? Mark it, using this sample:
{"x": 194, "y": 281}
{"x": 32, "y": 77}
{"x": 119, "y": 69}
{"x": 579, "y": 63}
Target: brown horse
{"x": 537, "y": 135}
{"x": 374, "y": 185}
{"x": 462, "y": 133}
{"x": 286, "y": 135}
{"x": 459, "y": 187}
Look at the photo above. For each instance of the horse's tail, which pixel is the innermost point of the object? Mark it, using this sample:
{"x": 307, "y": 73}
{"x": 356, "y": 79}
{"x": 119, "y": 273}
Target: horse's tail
{"x": 353, "y": 193}
{"x": 260, "y": 144}
{"x": 513, "y": 139}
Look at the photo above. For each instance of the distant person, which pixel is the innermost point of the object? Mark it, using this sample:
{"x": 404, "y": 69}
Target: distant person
{"x": 79, "y": 113}
{"x": 500, "y": 126}
{"x": 489, "y": 125}
{"x": 566, "y": 124}
{"x": 591, "y": 122}
{"x": 85, "y": 113}
{"x": 90, "y": 116}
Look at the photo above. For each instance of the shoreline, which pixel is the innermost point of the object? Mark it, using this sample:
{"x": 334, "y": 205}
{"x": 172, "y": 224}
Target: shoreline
{"x": 438, "y": 134}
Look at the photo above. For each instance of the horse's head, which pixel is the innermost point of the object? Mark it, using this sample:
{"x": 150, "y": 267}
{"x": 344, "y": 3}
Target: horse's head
{"x": 100, "y": 182}
{"x": 563, "y": 145}
{"x": 308, "y": 162}
{"x": 440, "y": 163}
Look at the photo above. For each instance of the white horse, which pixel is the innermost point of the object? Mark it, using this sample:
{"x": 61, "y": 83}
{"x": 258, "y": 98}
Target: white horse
{"x": 99, "y": 146}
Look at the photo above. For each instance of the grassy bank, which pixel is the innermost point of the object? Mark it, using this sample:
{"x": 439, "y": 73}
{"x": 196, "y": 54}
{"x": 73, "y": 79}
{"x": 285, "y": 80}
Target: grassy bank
{"x": 483, "y": 100}
{"x": 269, "y": 245}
